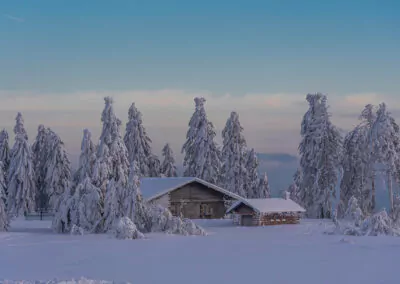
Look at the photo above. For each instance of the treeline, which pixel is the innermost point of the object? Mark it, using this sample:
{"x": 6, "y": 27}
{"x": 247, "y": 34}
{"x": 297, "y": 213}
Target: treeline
{"x": 38, "y": 176}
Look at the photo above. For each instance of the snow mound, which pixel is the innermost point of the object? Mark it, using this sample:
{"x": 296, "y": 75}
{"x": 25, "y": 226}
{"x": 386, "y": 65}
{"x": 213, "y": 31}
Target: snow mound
{"x": 380, "y": 224}
{"x": 355, "y": 224}
{"x": 163, "y": 221}
{"x": 346, "y": 241}
{"x": 76, "y": 230}
{"x": 125, "y": 229}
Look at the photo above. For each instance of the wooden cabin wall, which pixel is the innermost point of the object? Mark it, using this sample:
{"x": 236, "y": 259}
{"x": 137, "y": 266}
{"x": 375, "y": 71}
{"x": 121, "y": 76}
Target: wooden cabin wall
{"x": 163, "y": 200}
{"x": 256, "y": 219}
{"x": 278, "y": 219}
{"x": 196, "y": 201}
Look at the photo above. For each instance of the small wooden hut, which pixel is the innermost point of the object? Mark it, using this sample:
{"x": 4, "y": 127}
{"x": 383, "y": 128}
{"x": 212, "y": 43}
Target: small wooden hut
{"x": 268, "y": 211}
{"x": 187, "y": 197}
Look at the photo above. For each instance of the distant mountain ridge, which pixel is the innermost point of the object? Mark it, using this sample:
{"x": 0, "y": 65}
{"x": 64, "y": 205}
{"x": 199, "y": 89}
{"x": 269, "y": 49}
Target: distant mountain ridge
{"x": 277, "y": 157}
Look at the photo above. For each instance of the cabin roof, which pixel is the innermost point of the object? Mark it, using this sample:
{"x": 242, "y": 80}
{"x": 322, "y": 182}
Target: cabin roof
{"x": 269, "y": 205}
{"x": 155, "y": 187}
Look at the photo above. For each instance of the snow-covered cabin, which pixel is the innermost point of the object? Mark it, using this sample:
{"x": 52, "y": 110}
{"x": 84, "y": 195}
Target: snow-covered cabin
{"x": 268, "y": 211}
{"x": 188, "y": 197}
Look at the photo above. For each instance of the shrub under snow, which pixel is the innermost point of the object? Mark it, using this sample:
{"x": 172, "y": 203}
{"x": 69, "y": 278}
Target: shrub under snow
{"x": 125, "y": 229}
{"x": 380, "y": 224}
{"x": 355, "y": 224}
{"x": 76, "y": 230}
{"x": 163, "y": 221}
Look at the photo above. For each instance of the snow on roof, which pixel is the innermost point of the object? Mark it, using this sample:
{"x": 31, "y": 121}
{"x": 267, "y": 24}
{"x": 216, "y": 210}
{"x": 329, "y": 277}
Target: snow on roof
{"x": 269, "y": 205}
{"x": 152, "y": 188}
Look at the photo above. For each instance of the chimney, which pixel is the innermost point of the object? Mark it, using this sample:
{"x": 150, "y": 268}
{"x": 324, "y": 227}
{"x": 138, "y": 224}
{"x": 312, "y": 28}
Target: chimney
{"x": 287, "y": 195}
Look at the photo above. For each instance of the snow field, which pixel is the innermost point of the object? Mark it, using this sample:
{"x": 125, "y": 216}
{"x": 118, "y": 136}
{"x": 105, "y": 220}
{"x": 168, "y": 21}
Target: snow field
{"x": 276, "y": 254}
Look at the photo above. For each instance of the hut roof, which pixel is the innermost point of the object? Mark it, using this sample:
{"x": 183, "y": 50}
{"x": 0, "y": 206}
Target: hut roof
{"x": 269, "y": 205}
{"x": 152, "y": 188}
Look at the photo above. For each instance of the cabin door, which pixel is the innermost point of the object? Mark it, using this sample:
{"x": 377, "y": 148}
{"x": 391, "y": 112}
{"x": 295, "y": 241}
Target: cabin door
{"x": 247, "y": 220}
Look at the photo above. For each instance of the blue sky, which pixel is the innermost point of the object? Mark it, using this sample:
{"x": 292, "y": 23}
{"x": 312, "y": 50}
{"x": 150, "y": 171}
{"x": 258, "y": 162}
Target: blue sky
{"x": 59, "y": 58}
{"x": 220, "y": 46}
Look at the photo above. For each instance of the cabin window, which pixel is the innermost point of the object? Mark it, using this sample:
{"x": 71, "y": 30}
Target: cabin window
{"x": 206, "y": 211}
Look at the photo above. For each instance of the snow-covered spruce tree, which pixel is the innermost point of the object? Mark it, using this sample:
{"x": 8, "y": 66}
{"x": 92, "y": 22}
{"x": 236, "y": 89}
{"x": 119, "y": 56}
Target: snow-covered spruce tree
{"x": 168, "y": 168}
{"x": 135, "y": 207}
{"x": 90, "y": 207}
{"x": 138, "y": 144}
{"x": 212, "y": 167}
{"x": 4, "y": 221}
{"x": 21, "y": 184}
{"x": 112, "y": 166}
{"x": 87, "y": 158}
{"x": 384, "y": 144}
{"x": 58, "y": 171}
{"x": 357, "y": 171}
{"x": 4, "y": 152}
{"x": 202, "y": 156}
{"x": 93, "y": 196}
{"x": 67, "y": 213}
{"x": 112, "y": 156}
{"x": 80, "y": 208}
{"x": 293, "y": 189}
{"x": 40, "y": 155}
{"x": 234, "y": 158}
{"x": 263, "y": 187}
{"x": 252, "y": 182}
{"x": 154, "y": 166}
{"x": 113, "y": 206}
{"x": 321, "y": 152}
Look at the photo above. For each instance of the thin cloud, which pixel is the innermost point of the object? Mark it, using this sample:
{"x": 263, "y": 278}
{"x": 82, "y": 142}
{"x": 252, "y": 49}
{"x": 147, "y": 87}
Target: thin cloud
{"x": 13, "y": 18}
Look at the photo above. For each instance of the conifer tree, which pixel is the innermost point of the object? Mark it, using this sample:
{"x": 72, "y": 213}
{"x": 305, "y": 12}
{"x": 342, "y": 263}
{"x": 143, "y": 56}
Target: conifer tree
{"x": 21, "y": 184}
{"x": 112, "y": 156}
{"x": 263, "y": 188}
{"x": 68, "y": 210}
{"x": 168, "y": 168}
{"x": 384, "y": 145}
{"x": 154, "y": 166}
{"x": 113, "y": 206}
{"x": 58, "y": 170}
{"x": 40, "y": 156}
{"x": 252, "y": 183}
{"x": 87, "y": 158}
{"x": 202, "y": 155}
{"x": 138, "y": 144}
{"x": 293, "y": 189}
{"x": 4, "y": 220}
{"x": 90, "y": 207}
{"x": 4, "y": 152}
{"x": 112, "y": 166}
{"x": 321, "y": 152}
{"x": 357, "y": 174}
{"x": 136, "y": 207}
{"x": 234, "y": 157}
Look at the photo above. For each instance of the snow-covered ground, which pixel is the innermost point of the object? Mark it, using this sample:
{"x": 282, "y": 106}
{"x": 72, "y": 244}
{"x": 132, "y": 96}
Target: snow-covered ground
{"x": 275, "y": 254}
